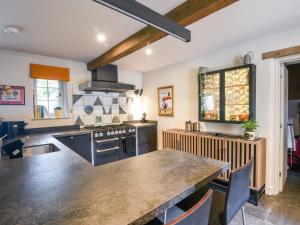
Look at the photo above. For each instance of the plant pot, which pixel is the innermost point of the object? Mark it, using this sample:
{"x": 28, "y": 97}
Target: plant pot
{"x": 249, "y": 135}
{"x": 58, "y": 113}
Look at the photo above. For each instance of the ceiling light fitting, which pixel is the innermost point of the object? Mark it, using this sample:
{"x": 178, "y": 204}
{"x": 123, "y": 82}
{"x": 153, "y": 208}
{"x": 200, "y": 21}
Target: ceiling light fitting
{"x": 10, "y": 30}
{"x": 148, "y": 16}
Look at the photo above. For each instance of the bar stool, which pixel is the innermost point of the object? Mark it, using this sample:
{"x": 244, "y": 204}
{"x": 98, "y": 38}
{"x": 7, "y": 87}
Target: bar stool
{"x": 197, "y": 215}
{"x": 236, "y": 196}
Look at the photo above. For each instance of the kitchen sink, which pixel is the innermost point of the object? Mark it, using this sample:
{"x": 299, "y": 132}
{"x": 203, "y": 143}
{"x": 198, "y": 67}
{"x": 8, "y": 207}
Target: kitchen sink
{"x": 39, "y": 149}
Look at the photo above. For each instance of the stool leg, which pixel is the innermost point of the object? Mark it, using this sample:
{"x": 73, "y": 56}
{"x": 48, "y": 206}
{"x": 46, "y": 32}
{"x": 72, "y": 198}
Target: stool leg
{"x": 243, "y": 216}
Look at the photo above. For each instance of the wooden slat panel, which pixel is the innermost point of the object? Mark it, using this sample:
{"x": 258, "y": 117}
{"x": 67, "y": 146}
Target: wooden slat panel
{"x": 235, "y": 151}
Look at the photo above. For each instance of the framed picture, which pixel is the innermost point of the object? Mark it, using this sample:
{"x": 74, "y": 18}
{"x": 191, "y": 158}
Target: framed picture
{"x": 166, "y": 101}
{"x": 12, "y": 95}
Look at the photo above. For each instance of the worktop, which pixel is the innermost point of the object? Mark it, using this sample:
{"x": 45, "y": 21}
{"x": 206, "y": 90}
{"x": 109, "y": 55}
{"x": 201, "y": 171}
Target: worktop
{"x": 63, "y": 188}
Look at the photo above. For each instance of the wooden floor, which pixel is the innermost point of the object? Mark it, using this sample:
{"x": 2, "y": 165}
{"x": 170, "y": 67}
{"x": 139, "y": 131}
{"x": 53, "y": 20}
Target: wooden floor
{"x": 283, "y": 209}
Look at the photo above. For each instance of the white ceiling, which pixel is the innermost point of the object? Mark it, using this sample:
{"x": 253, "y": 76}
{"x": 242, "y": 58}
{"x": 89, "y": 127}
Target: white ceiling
{"x": 65, "y": 29}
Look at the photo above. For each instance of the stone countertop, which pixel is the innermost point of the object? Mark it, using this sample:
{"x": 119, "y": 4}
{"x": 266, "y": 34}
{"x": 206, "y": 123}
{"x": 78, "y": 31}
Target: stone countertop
{"x": 213, "y": 134}
{"x": 139, "y": 123}
{"x": 63, "y": 188}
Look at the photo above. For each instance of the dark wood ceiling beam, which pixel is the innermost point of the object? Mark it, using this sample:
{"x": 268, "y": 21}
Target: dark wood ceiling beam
{"x": 184, "y": 14}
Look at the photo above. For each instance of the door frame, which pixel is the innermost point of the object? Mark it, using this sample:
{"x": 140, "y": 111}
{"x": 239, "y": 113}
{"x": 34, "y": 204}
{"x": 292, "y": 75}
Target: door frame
{"x": 278, "y": 120}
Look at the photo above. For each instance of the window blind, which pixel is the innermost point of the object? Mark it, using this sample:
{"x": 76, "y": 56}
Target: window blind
{"x": 49, "y": 72}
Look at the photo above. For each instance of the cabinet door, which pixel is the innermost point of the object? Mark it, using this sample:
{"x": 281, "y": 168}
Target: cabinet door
{"x": 238, "y": 104}
{"x": 142, "y": 149}
{"x": 81, "y": 144}
{"x": 209, "y": 96}
{"x": 146, "y": 134}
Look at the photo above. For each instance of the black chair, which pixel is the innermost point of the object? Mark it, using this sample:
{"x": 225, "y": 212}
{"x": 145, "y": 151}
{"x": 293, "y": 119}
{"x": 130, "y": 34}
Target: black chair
{"x": 197, "y": 215}
{"x": 226, "y": 206}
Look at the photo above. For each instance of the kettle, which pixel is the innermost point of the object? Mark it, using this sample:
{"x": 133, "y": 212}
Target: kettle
{"x": 246, "y": 59}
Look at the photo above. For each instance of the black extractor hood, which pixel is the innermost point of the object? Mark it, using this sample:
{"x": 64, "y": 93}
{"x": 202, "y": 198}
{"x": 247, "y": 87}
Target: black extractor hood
{"x": 106, "y": 79}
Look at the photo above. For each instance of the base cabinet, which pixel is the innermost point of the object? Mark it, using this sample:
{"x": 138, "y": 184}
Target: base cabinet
{"x": 235, "y": 150}
{"x": 79, "y": 143}
{"x": 146, "y": 139}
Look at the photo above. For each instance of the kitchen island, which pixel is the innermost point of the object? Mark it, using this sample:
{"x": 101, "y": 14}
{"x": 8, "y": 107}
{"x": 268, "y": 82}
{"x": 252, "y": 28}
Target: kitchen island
{"x": 63, "y": 188}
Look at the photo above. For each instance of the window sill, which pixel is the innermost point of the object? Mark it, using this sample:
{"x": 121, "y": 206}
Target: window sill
{"x": 52, "y": 118}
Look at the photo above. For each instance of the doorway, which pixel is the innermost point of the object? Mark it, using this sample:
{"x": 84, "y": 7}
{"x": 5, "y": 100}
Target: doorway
{"x": 289, "y": 121}
{"x": 293, "y": 123}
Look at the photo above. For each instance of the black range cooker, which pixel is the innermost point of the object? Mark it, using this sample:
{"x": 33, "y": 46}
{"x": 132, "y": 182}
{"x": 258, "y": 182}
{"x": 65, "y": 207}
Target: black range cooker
{"x": 111, "y": 143}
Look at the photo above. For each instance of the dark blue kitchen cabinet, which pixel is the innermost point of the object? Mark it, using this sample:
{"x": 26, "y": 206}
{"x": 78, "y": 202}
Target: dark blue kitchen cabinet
{"x": 79, "y": 143}
{"x": 147, "y": 138}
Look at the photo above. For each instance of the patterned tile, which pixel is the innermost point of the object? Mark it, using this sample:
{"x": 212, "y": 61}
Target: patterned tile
{"x": 98, "y": 101}
{"x": 77, "y": 100}
{"x": 78, "y": 121}
{"x": 98, "y": 119}
{"x": 115, "y": 100}
{"x": 122, "y": 110}
{"x": 116, "y": 119}
{"x": 106, "y": 106}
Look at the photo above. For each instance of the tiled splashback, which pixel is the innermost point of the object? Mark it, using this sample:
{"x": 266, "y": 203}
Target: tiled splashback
{"x": 101, "y": 107}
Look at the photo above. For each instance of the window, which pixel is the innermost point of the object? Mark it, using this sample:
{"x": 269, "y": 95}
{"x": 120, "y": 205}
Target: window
{"x": 49, "y": 94}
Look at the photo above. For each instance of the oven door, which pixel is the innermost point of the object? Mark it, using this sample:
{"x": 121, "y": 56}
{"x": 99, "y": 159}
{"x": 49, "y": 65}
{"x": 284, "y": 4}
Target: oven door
{"x": 127, "y": 146}
{"x": 106, "y": 150}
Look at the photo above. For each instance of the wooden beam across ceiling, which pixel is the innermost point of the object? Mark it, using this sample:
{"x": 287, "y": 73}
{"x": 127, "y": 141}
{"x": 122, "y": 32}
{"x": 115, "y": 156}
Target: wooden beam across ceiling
{"x": 282, "y": 52}
{"x": 185, "y": 14}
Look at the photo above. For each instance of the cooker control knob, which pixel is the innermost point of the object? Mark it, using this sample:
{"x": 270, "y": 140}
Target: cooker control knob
{"x": 116, "y": 132}
{"x": 96, "y": 135}
{"x": 120, "y": 131}
{"x": 112, "y": 133}
{"x": 108, "y": 133}
{"x": 101, "y": 134}
{"x": 124, "y": 131}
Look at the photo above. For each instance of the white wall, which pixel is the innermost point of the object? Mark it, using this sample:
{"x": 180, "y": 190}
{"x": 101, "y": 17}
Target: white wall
{"x": 184, "y": 78}
{"x": 14, "y": 70}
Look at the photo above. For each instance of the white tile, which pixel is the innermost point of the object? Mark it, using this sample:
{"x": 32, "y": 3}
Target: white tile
{"x": 122, "y": 101}
{"x": 123, "y": 117}
{"x": 88, "y": 100}
{"x": 115, "y": 109}
{"x": 106, "y": 119}
{"x": 78, "y": 110}
{"x": 75, "y": 89}
{"x": 89, "y": 120}
{"x": 98, "y": 110}
{"x": 106, "y": 94}
{"x": 107, "y": 101}
{"x": 115, "y": 94}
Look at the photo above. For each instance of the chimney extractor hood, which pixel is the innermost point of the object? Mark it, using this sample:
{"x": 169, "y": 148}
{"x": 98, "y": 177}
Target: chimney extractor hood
{"x": 106, "y": 79}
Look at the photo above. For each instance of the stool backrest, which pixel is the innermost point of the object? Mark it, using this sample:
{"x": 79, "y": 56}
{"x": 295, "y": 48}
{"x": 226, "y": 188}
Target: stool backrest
{"x": 238, "y": 191}
{"x": 198, "y": 214}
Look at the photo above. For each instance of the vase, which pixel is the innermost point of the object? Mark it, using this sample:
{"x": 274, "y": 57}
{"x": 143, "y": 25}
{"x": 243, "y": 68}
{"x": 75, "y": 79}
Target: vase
{"x": 58, "y": 113}
{"x": 249, "y": 135}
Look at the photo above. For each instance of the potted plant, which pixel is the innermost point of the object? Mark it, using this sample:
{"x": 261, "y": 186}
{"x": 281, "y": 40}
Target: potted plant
{"x": 58, "y": 112}
{"x": 250, "y": 128}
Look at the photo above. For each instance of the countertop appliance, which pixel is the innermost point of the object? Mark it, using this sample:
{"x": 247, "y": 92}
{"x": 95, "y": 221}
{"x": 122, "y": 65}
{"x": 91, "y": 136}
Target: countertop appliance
{"x": 112, "y": 142}
{"x": 12, "y": 128}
